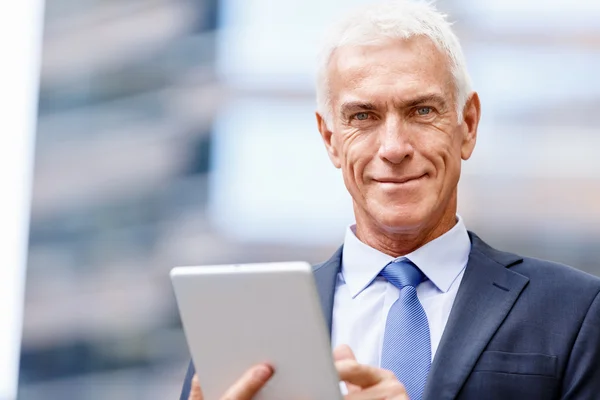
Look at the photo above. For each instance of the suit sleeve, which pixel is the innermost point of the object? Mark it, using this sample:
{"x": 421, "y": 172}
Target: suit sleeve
{"x": 187, "y": 383}
{"x": 582, "y": 376}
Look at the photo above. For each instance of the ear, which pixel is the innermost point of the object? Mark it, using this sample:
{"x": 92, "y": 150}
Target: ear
{"x": 471, "y": 116}
{"x": 329, "y": 140}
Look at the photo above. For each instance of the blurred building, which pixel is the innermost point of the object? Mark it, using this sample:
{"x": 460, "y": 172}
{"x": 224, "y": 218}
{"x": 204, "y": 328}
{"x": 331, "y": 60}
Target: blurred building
{"x": 181, "y": 132}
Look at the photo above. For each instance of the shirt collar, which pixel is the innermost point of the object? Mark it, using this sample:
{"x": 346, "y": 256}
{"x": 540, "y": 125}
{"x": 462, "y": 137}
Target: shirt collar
{"x": 441, "y": 260}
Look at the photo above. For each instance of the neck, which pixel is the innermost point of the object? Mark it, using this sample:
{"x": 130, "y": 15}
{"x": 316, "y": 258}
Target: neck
{"x": 399, "y": 242}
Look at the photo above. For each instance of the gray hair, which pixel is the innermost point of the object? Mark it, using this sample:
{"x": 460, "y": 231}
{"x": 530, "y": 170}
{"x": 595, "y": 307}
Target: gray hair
{"x": 395, "y": 19}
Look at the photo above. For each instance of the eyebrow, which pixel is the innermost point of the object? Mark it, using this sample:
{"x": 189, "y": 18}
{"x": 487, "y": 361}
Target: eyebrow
{"x": 424, "y": 99}
{"x": 355, "y": 106}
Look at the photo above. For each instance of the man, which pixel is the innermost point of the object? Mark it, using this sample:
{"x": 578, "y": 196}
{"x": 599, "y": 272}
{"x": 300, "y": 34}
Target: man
{"x": 418, "y": 306}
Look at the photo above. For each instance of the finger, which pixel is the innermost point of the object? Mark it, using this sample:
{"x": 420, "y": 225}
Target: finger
{"x": 196, "y": 391}
{"x": 389, "y": 389}
{"x": 250, "y": 383}
{"x": 359, "y": 374}
{"x": 344, "y": 352}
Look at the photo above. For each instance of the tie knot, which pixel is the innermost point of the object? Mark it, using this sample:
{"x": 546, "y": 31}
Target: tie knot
{"x": 403, "y": 273}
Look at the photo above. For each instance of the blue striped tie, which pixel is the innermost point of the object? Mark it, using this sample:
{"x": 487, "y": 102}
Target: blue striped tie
{"x": 406, "y": 341}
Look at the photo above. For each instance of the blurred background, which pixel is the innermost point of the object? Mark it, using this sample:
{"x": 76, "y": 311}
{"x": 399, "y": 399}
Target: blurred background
{"x": 179, "y": 132}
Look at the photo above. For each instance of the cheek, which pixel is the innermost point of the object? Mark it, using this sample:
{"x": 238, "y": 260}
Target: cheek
{"x": 356, "y": 156}
{"x": 443, "y": 152}
{"x": 452, "y": 163}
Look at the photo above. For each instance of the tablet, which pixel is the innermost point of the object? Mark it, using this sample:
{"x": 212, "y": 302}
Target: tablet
{"x": 235, "y": 316}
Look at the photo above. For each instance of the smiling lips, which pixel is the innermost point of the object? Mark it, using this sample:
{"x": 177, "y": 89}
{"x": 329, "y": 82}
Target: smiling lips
{"x": 399, "y": 181}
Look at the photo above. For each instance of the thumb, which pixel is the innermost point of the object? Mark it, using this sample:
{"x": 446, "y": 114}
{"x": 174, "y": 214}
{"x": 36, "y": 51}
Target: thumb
{"x": 341, "y": 353}
{"x": 196, "y": 391}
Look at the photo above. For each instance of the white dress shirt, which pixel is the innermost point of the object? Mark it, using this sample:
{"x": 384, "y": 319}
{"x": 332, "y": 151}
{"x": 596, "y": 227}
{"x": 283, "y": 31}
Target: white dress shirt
{"x": 363, "y": 298}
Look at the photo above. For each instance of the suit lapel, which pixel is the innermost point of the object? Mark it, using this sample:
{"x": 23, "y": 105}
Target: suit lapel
{"x": 325, "y": 277}
{"x": 487, "y": 293}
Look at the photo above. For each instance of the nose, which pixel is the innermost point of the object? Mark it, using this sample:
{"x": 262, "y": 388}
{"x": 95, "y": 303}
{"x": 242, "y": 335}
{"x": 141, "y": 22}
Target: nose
{"x": 394, "y": 143}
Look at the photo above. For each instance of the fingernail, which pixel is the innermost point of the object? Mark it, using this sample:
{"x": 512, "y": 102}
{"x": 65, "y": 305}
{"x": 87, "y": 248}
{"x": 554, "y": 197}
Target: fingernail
{"x": 263, "y": 372}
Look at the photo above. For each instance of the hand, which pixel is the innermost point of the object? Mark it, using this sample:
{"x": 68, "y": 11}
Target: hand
{"x": 365, "y": 382}
{"x": 244, "y": 389}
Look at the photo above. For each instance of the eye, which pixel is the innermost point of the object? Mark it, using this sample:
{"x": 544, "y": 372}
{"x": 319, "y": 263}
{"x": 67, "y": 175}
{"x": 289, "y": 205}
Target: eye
{"x": 361, "y": 116}
{"x": 422, "y": 111}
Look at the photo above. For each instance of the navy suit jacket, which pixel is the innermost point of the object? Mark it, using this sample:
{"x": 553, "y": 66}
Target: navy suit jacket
{"x": 520, "y": 328}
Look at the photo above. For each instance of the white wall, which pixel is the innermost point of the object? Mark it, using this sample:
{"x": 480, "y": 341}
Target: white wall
{"x": 20, "y": 39}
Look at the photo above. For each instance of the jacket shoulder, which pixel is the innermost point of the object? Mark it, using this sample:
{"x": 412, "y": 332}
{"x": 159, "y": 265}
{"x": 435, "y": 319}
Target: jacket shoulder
{"x": 546, "y": 279}
{"x": 549, "y": 273}
{"x": 334, "y": 261}
{"x": 556, "y": 274}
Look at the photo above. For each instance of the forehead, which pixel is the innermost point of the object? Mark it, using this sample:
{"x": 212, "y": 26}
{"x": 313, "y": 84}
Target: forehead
{"x": 394, "y": 69}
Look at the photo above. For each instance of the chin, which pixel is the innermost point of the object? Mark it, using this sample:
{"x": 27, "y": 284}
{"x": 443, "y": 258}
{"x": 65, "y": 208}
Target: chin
{"x": 401, "y": 220}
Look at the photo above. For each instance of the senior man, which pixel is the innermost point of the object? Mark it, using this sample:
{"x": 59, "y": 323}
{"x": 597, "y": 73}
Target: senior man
{"x": 418, "y": 306}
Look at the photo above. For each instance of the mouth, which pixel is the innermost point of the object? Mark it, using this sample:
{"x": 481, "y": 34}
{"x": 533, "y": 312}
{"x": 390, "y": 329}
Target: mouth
{"x": 400, "y": 180}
